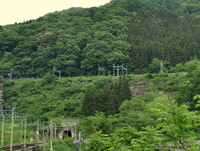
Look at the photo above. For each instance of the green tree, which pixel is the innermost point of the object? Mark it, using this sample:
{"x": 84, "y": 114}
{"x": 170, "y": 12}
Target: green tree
{"x": 178, "y": 123}
{"x": 190, "y": 86}
{"x": 89, "y": 104}
{"x": 135, "y": 113}
{"x": 106, "y": 96}
{"x": 97, "y": 123}
{"x": 94, "y": 54}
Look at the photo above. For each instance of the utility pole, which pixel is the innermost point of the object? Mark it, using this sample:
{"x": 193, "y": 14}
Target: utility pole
{"x": 37, "y": 133}
{"x": 2, "y": 129}
{"x": 1, "y": 100}
{"x": 21, "y": 140}
{"x": 79, "y": 138}
{"x": 161, "y": 66}
{"x": 55, "y": 129}
{"x": 48, "y": 133}
{"x": 11, "y": 74}
{"x": 25, "y": 126}
{"x": 101, "y": 70}
{"x": 11, "y": 135}
{"x": 51, "y": 136}
{"x": 75, "y": 132}
{"x": 54, "y": 69}
{"x": 59, "y": 72}
{"x": 43, "y": 137}
{"x": 113, "y": 70}
{"x": 118, "y": 71}
{"x": 1, "y": 113}
{"x": 10, "y": 114}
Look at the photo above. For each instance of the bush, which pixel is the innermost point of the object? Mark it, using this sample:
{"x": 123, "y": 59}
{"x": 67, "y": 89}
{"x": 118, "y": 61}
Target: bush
{"x": 48, "y": 78}
{"x": 62, "y": 145}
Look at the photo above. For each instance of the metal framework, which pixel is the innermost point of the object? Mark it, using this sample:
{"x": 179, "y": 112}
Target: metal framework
{"x": 56, "y": 71}
{"x": 101, "y": 70}
{"x": 9, "y": 116}
{"x": 161, "y": 67}
{"x": 119, "y": 68}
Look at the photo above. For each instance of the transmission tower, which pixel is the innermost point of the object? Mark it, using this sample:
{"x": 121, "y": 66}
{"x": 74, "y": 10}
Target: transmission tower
{"x": 56, "y": 71}
{"x": 119, "y": 68}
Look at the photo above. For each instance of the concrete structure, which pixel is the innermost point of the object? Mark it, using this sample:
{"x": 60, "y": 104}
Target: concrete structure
{"x": 138, "y": 89}
{"x": 68, "y": 129}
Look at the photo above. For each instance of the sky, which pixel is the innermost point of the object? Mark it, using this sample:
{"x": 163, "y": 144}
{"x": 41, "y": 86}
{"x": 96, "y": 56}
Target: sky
{"x": 12, "y": 11}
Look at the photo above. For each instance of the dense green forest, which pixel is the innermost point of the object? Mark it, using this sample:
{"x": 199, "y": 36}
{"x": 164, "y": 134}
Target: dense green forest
{"x": 144, "y": 35}
{"x": 75, "y": 41}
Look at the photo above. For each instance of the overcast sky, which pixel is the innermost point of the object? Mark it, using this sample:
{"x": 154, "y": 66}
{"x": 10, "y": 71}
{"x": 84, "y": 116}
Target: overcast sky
{"x": 12, "y": 11}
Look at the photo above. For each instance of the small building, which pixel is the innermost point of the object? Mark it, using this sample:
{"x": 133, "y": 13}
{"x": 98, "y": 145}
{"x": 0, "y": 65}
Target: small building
{"x": 69, "y": 129}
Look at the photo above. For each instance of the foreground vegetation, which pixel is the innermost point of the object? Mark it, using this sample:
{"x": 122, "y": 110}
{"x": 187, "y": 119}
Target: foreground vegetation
{"x": 167, "y": 115}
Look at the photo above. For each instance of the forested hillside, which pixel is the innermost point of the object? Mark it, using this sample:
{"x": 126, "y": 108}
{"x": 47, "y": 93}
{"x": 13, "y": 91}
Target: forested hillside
{"x": 110, "y": 117}
{"x": 159, "y": 38}
{"x": 76, "y": 40}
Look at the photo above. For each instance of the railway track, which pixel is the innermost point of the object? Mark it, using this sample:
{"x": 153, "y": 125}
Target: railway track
{"x": 21, "y": 146}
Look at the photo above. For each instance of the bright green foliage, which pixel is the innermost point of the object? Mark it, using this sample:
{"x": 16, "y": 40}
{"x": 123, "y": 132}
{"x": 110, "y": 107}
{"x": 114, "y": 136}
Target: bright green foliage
{"x": 59, "y": 145}
{"x": 128, "y": 139}
{"x": 168, "y": 83}
{"x": 149, "y": 139}
{"x": 178, "y": 68}
{"x": 178, "y": 124}
{"x": 190, "y": 86}
{"x": 96, "y": 123}
{"x": 117, "y": 141}
{"x": 197, "y": 98}
{"x": 152, "y": 122}
{"x": 46, "y": 98}
{"x": 134, "y": 113}
{"x": 175, "y": 126}
{"x": 18, "y": 132}
{"x": 48, "y": 79}
{"x": 156, "y": 64}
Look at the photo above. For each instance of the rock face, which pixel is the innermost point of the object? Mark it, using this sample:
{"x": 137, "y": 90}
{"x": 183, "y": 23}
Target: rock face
{"x": 68, "y": 129}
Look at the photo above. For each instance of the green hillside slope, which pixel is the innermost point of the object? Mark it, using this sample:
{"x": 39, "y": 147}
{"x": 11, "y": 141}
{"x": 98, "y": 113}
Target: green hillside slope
{"x": 48, "y": 97}
{"x": 76, "y": 40}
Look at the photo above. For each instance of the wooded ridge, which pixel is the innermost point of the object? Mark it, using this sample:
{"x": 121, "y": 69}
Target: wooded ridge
{"x": 75, "y": 41}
